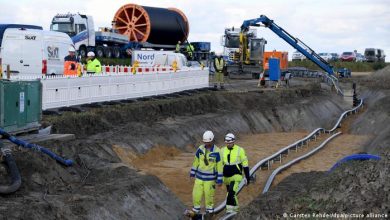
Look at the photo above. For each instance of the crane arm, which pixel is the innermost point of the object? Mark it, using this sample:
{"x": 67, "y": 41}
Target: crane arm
{"x": 294, "y": 42}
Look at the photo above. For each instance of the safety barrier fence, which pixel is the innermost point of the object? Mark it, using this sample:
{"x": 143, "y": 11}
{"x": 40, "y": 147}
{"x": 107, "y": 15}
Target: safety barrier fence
{"x": 117, "y": 84}
{"x": 267, "y": 162}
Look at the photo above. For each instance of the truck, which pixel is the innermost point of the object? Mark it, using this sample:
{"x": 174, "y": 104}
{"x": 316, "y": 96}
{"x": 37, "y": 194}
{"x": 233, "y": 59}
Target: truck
{"x": 30, "y": 50}
{"x": 374, "y": 55}
{"x": 107, "y": 41}
{"x": 81, "y": 28}
{"x": 244, "y": 52}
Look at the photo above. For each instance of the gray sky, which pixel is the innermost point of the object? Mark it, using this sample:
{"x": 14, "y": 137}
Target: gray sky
{"x": 324, "y": 25}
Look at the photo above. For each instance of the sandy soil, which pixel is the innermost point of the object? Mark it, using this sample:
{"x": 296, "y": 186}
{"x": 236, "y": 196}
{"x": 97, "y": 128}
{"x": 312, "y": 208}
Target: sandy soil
{"x": 172, "y": 166}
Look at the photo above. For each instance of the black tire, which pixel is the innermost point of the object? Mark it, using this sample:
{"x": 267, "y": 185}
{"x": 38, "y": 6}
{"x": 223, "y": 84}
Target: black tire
{"x": 100, "y": 51}
{"x": 107, "y": 52}
{"x": 116, "y": 53}
{"x": 83, "y": 51}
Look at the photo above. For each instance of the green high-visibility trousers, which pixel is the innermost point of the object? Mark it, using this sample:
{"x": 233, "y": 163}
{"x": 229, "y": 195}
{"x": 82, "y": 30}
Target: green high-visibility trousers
{"x": 208, "y": 188}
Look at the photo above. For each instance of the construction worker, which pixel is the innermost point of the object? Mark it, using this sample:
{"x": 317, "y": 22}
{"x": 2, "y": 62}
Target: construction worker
{"x": 207, "y": 170}
{"x": 219, "y": 64}
{"x": 177, "y": 50}
{"x": 93, "y": 64}
{"x": 71, "y": 63}
{"x": 190, "y": 50}
{"x": 235, "y": 163}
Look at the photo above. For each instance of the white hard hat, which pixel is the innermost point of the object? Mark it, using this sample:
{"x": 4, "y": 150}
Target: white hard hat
{"x": 208, "y": 136}
{"x": 71, "y": 49}
{"x": 230, "y": 138}
{"x": 90, "y": 54}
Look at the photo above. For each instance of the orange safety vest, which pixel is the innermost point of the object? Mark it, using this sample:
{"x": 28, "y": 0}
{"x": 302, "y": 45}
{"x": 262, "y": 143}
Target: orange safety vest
{"x": 70, "y": 68}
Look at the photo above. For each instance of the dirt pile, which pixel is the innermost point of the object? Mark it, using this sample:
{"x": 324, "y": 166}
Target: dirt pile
{"x": 355, "y": 188}
{"x": 379, "y": 80}
{"x": 98, "y": 186}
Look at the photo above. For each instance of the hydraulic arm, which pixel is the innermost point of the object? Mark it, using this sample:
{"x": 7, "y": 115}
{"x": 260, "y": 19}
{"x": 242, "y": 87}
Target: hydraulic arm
{"x": 294, "y": 42}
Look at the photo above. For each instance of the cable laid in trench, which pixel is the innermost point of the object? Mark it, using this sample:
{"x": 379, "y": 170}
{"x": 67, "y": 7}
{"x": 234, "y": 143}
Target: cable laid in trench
{"x": 296, "y": 145}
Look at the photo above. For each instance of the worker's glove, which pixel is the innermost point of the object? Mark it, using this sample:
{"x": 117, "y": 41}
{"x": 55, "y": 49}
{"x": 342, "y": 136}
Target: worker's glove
{"x": 245, "y": 181}
{"x": 247, "y": 177}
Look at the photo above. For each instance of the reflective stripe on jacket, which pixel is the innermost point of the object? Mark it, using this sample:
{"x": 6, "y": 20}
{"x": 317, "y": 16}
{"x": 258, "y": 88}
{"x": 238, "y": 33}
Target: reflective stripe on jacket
{"x": 93, "y": 66}
{"x": 207, "y": 164}
{"x": 219, "y": 63}
{"x": 233, "y": 160}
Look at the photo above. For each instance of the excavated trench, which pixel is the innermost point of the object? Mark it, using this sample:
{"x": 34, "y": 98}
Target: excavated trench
{"x": 132, "y": 159}
{"x": 360, "y": 188}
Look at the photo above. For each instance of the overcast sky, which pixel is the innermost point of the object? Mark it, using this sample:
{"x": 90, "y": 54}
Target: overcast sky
{"x": 324, "y": 25}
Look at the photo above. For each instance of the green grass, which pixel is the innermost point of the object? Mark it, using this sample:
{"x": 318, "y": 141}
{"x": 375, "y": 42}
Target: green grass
{"x": 353, "y": 66}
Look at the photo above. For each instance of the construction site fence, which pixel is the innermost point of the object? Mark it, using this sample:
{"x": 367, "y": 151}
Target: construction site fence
{"x": 116, "y": 83}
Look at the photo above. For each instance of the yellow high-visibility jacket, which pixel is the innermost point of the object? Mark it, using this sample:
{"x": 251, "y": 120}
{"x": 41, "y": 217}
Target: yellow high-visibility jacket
{"x": 207, "y": 164}
{"x": 234, "y": 160}
{"x": 94, "y": 66}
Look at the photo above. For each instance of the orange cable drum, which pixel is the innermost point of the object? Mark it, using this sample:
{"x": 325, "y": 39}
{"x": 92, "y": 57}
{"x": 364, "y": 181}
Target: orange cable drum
{"x": 150, "y": 24}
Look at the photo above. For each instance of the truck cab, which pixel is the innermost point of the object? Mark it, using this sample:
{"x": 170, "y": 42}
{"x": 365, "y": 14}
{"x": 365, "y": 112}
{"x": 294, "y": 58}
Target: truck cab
{"x": 244, "y": 52}
{"x": 79, "y": 27}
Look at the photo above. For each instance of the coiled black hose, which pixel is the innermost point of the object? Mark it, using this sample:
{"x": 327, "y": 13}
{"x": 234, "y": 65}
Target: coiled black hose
{"x": 13, "y": 171}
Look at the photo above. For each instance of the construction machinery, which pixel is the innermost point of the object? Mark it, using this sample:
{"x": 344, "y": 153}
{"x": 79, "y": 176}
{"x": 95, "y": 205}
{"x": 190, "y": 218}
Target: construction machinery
{"x": 293, "y": 41}
{"x": 244, "y": 52}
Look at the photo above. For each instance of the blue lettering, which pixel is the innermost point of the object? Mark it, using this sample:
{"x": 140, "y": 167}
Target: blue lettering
{"x": 145, "y": 57}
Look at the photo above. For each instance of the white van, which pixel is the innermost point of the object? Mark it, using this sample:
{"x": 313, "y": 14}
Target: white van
{"x": 167, "y": 59}
{"x": 31, "y": 51}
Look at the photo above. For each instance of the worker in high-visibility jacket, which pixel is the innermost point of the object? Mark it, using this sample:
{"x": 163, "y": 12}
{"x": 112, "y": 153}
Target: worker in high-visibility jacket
{"x": 93, "y": 65}
{"x": 190, "y": 51}
{"x": 71, "y": 63}
{"x": 235, "y": 163}
{"x": 219, "y": 64}
{"x": 177, "y": 49}
{"x": 207, "y": 170}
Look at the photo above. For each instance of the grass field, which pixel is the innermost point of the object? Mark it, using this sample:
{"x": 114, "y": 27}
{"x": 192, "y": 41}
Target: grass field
{"x": 353, "y": 66}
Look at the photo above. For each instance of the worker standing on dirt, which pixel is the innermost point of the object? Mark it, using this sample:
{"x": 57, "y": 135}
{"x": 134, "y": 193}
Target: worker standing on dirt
{"x": 71, "y": 63}
{"x": 93, "y": 64}
{"x": 235, "y": 163}
{"x": 219, "y": 64}
{"x": 207, "y": 170}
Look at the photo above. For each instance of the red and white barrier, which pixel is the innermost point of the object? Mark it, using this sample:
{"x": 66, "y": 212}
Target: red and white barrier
{"x": 116, "y": 84}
